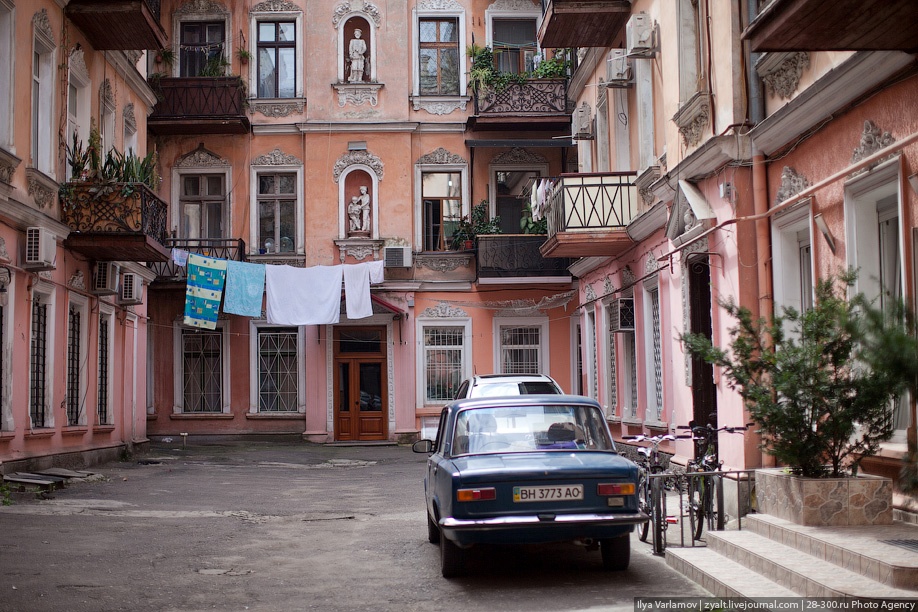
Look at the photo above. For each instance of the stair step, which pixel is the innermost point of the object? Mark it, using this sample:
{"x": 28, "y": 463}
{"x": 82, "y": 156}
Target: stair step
{"x": 721, "y": 576}
{"x": 862, "y": 549}
{"x": 796, "y": 570}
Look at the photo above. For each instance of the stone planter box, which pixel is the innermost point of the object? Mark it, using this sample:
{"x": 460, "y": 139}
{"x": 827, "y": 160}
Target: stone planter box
{"x": 864, "y": 500}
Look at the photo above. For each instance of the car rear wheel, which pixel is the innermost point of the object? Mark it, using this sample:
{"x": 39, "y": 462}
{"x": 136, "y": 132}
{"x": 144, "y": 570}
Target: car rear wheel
{"x": 616, "y": 553}
{"x": 452, "y": 559}
{"x": 433, "y": 531}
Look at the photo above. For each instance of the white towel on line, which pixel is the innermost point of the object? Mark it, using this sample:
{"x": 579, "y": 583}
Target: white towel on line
{"x": 303, "y": 296}
{"x": 357, "y": 291}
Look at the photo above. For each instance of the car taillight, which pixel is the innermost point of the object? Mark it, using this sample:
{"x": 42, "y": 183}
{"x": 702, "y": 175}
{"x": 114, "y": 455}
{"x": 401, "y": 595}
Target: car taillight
{"x": 468, "y": 495}
{"x": 623, "y": 488}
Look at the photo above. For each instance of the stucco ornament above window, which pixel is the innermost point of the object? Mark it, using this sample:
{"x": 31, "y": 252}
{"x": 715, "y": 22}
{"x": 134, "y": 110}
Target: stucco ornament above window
{"x": 42, "y": 24}
{"x": 444, "y": 311}
{"x": 518, "y": 155}
{"x": 441, "y": 156}
{"x": 513, "y": 5}
{"x": 201, "y": 158}
{"x": 781, "y": 72}
{"x": 439, "y": 5}
{"x": 277, "y": 158}
{"x": 364, "y": 158}
{"x": 276, "y": 6}
{"x": 872, "y": 140}
{"x": 356, "y": 6}
{"x": 130, "y": 121}
{"x": 690, "y": 216}
{"x": 693, "y": 118}
{"x": 792, "y": 183}
{"x": 202, "y": 7}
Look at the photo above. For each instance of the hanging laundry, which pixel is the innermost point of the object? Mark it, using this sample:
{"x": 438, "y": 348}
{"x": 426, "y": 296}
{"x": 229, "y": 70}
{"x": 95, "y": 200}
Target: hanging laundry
{"x": 245, "y": 288}
{"x": 377, "y": 272}
{"x": 357, "y": 291}
{"x": 303, "y": 296}
{"x": 180, "y": 257}
{"x": 204, "y": 289}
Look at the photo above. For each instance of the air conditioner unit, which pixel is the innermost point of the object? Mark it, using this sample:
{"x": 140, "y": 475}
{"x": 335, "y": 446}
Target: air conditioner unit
{"x": 618, "y": 69}
{"x": 582, "y": 123}
{"x": 40, "y": 249}
{"x": 621, "y": 315}
{"x": 131, "y": 289}
{"x": 105, "y": 278}
{"x": 397, "y": 257}
{"x": 639, "y": 36}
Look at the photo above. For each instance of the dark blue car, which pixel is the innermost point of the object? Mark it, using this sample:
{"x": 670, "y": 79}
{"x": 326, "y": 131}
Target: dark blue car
{"x": 528, "y": 469}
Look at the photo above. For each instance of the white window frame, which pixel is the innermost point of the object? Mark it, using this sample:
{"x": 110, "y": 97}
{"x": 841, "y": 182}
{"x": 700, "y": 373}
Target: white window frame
{"x": 589, "y": 351}
{"x": 419, "y": 171}
{"x": 178, "y": 368}
{"x": 228, "y": 40}
{"x": 423, "y": 323}
{"x": 539, "y": 169}
{"x": 786, "y": 240}
{"x": 7, "y": 62}
{"x": 274, "y": 16}
{"x": 108, "y": 107}
{"x": 256, "y": 326}
{"x": 655, "y": 400}
{"x": 8, "y": 299}
{"x": 517, "y": 14}
{"x": 254, "y": 220}
{"x": 44, "y": 292}
{"x": 80, "y": 304}
{"x": 178, "y": 175}
{"x": 78, "y": 78}
{"x": 609, "y": 361}
{"x": 107, "y": 318}
{"x": 42, "y": 149}
{"x": 425, "y": 12}
{"x": 544, "y": 364}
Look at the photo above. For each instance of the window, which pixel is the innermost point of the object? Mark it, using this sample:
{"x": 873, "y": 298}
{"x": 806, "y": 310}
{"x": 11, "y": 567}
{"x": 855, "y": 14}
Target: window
{"x": 203, "y": 203}
{"x": 103, "y": 391}
{"x": 276, "y": 59}
{"x": 107, "y": 104}
{"x": 76, "y": 321}
{"x": 7, "y": 56}
{"x": 277, "y": 212}
{"x": 654, "y": 354}
{"x": 443, "y": 361}
{"x": 514, "y": 44}
{"x": 520, "y": 349}
{"x": 610, "y": 373}
{"x": 590, "y": 389}
{"x": 42, "y": 99}
{"x": 278, "y": 371}
{"x": 201, "y": 50}
{"x": 442, "y": 208}
{"x": 40, "y": 351}
{"x": 202, "y": 371}
{"x": 690, "y": 49}
{"x": 130, "y": 129}
{"x": 438, "y": 56}
{"x": 510, "y": 188}
{"x": 793, "y": 260}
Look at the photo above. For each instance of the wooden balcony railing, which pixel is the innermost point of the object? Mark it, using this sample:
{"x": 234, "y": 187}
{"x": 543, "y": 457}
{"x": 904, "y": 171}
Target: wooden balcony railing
{"x": 516, "y": 256}
{"x": 223, "y": 248}
{"x": 199, "y": 105}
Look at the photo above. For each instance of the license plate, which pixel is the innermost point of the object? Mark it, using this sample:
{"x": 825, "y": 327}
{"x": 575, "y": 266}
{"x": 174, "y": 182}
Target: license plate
{"x": 543, "y": 494}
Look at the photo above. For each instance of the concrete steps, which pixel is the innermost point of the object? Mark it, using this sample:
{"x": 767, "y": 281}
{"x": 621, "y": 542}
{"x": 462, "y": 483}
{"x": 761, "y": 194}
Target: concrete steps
{"x": 774, "y": 558}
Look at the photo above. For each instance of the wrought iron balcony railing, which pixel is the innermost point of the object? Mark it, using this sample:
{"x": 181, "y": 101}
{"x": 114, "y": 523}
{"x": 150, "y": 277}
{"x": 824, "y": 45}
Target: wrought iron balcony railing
{"x": 199, "y": 105}
{"x": 516, "y": 256}
{"x": 535, "y": 97}
{"x": 113, "y": 208}
{"x": 223, "y": 248}
{"x": 589, "y": 202}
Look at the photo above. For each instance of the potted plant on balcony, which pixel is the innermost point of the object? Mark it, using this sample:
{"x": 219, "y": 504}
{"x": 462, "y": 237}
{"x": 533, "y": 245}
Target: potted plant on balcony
{"x": 474, "y": 224}
{"x": 819, "y": 384}
{"x": 244, "y": 55}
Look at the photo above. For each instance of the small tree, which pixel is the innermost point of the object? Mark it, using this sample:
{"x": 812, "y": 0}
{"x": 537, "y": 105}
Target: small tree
{"x": 814, "y": 381}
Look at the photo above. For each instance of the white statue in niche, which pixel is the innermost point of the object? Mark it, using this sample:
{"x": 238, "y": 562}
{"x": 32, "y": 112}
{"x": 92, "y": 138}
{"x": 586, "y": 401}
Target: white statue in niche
{"x": 357, "y": 55}
{"x": 358, "y": 213}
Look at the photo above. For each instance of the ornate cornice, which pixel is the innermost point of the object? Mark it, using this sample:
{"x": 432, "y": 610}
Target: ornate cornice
{"x": 42, "y": 188}
{"x": 42, "y": 24}
{"x": 357, "y": 94}
{"x": 352, "y": 158}
{"x": 644, "y": 181}
{"x": 872, "y": 140}
{"x": 439, "y": 5}
{"x": 444, "y": 311}
{"x": 441, "y": 156}
{"x": 792, "y": 183}
{"x": 693, "y": 118}
{"x": 202, "y": 7}
{"x": 201, "y": 158}
{"x": 277, "y": 109}
{"x": 276, "y": 6}
{"x": 781, "y": 72}
{"x": 8, "y": 165}
{"x": 439, "y": 106}
{"x": 349, "y": 7}
{"x": 277, "y": 158}
{"x": 518, "y": 155}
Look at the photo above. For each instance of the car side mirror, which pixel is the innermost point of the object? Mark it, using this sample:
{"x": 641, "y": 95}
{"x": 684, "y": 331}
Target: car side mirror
{"x": 423, "y": 446}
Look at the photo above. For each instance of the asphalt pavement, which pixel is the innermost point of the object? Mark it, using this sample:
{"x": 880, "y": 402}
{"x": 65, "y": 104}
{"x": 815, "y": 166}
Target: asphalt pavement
{"x": 280, "y": 526}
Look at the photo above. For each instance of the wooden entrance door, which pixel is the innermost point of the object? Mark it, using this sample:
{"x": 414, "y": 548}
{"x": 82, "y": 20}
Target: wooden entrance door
{"x": 361, "y": 393}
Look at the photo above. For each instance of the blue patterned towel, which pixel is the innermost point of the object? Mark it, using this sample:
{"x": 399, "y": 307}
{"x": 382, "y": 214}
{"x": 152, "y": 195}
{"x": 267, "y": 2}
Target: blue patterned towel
{"x": 245, "y": 288}
{"x": 203, "y": 291}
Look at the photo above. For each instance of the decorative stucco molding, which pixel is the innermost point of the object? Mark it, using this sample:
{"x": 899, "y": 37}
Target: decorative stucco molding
{"x": 42, "y": 24}
{"x": 643, "y": 183}
{"x": 8, "y": 165}
{"x": 518, "y": 155}
{"x": 781, "y": 72}
{"x": 628, "y": 277}
{"x": 589, "y": 293}
{"x": 651, "y": 265}
{"x": 439, "y": 5}
{"x": 357, "y": 94}
{"x": 356, "y": 6}
{"x": 202, "y": 7}
{"x": 201, "y": 158}
{"x": 607, "y": 286}
{"x": 352, "y": 158}
{"x": 276, "y": 6}
{"x": 42, "y": 188}
{"x": 693, "y": 118}
{"x": 792, "y": 183}
{"x": 277, "y": 158}
{"x": 358, "y": 248}
{"x": 872, "y": 140}
{"x": 133, "y": 56}
{"x": 442, "y": 264}
{"x": 77, "y": 280}
{"x": 277, "y": 109}
{"x": 4, "y": 254}
{"x": 444, "y": 311}
{"x": 513, "y": 5}
{"x": 130, "y": 121}
{"x": 439, "y": 107}
{"x": 441, "y": 156}
{"x": 107, "y": 95}
{"x": 77, "y": 64}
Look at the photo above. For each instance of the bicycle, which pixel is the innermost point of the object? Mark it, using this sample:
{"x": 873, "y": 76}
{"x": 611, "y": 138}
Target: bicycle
{"x": 652, "y": 498}
{"x": 704, "y": 488}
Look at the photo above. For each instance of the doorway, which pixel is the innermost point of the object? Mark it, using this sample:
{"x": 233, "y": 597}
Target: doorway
{"x": 704, "y": 391}
{"x": 361, "y": 393}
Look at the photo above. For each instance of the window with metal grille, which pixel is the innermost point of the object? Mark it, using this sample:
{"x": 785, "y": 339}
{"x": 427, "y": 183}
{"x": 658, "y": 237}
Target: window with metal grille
{"x": 612, "y": 367}
{"x": 277, "y": 370}
{"x": 201, "y": 50}
{"x": 74, "y": 350}
{"x": 657, "y": 354}
{"x": 629, "y": 376}
{"x": 520, "y": 350}
{"x": 102, "y": 397}
{"x": 38, "y": 360}
{"x": 202, "y": 370}
{"x": 438, "y": 57}
{"x": 203, "y": 205}
{"x": 277, "y": 212}
{"x": 276, "y": 59}
{"x": 443, "y": 351}
{"x": 514, "y": 45}
{"x": 441, "y": 195}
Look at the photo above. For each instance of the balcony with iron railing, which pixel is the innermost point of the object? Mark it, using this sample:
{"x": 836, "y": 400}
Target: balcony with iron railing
{"x": 199, "y": 105}
{"x": 532, "y": 104}
{"x": 588, "y": 214}
{"x": 504, "y": 258}
{"x": 119, "y": 25}
{"x": 222, "y": 248}
{"x": 114, "y": 221}
{"x": 582, "y": 23}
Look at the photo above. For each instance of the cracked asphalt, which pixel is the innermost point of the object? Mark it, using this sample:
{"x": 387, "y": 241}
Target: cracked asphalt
{"x": 280, "y": 526}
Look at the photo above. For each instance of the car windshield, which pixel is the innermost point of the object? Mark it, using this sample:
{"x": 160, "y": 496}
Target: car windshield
{"x": 530, "y": 428}
{"x": 532, "y": 387}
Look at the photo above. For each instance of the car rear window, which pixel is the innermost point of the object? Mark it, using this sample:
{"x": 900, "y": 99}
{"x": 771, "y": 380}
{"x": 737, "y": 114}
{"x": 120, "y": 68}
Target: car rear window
{"x": 497, "y": 389}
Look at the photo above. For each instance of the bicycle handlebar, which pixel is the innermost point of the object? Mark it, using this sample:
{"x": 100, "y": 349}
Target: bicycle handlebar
{"x": 652, "y": 439}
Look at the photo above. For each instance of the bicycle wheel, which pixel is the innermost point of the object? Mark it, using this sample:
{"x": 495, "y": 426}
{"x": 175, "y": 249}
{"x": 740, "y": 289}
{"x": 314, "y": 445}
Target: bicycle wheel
{"x": 695, "y": 507}
{"x": 644, "y": 503}
{"x": 658, "y": 515}
{"x": 702, "y": 507}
